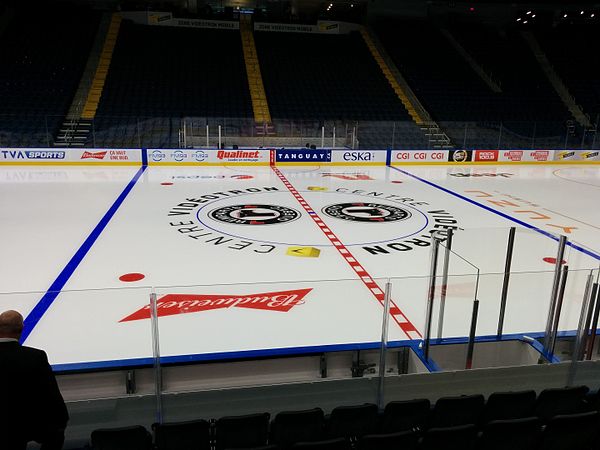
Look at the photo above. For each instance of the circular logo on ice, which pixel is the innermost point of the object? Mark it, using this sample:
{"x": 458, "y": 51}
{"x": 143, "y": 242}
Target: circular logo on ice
{"x": 366, "y": 212}
{"x": 254, "y": 214}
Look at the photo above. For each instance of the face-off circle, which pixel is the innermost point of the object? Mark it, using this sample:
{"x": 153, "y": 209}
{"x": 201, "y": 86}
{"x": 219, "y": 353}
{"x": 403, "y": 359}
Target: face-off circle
{"x": 366, "y": 212}
{"x": 253, "y": 214}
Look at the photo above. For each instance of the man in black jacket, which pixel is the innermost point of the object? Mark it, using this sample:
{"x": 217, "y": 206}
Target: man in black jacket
{"x": 32, "y": 407}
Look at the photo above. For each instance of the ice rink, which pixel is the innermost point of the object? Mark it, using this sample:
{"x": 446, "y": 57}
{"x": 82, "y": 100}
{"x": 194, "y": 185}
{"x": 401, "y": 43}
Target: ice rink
{"x": 257, "y": 261}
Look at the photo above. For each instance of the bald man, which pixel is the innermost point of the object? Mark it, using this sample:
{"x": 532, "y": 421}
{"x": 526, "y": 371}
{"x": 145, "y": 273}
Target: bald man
{"x": 31, "y": 405}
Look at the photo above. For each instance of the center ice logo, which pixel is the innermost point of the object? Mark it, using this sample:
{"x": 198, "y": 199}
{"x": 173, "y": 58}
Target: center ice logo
{"x": 366, "y": 212}
{"x": 376, "y": 222}
{"x": 254, "y": 214}
{"x": 174, "y": 304}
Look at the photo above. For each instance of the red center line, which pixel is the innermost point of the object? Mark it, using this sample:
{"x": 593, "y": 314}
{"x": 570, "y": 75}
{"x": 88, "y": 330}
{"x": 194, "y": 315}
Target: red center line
{"x": 399, "y": 317}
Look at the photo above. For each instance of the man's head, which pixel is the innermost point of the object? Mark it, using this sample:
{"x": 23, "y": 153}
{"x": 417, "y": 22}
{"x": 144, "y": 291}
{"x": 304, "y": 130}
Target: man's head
{"x": 11, "y": 325}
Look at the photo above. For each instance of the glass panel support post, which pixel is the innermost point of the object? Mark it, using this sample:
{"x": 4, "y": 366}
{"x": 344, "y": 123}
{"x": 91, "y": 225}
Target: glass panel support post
{"x": 156, "y": 357}
{"x": 473, "y": 329}
{"x": 448, "y": 250}
{"x": 555, "y": 287}
{"x": 594, "y": 325}
{"x": 506, "y": 281}
{"x": 435, "y": 245}
{"x": 384, "y": 341}
{"x": 581, "y": 331}
{"x": 561, "y": 295}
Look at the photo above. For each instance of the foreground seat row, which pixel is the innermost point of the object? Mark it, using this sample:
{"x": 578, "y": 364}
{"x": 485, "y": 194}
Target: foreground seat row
{"x": 556, "y": 419}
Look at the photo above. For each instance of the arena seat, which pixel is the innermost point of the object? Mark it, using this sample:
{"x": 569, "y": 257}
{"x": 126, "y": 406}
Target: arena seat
{"x": 125, "y": 438}
{"x": 160, "y": 74}
{"x": 405, "y": 415}
{"x": 510, "y": 405}
{"x": 291, "y": 427}
{"x": 568, "y": 49}
{"x": 246, "y": 431}
{"x": 454, "y": 94}
{"x": 43, "y": 52}
{"x": 455, "y": 411}
{"x": 189, "y": 435}
{"x": 462, "y": 437}
{"x": 405, "y": 440}
{"x": 352, "y": 422}
{"x": 515, "y": 434}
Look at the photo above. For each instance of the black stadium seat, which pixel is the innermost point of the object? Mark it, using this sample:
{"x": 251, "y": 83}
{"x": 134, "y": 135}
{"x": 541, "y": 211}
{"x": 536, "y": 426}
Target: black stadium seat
{"x": 291, "y": 427}
{"x": 190, "y": 435}
{"x": 559, "y": 401}
{"x": 126, "y": 438}
{"x": 246, "y": 431}
{"x": 461, "y": 437}
{"x": 510, "y": 405}
{"x": 43, "y": 52}
{"x": 329, "y": 444}
{"x": 404, "y": 440}
{"x": 572, "y": 432}
{"x": 405, "y": 415}
{"x": 352, "y": 422}
{"x": 516, "y": 434}
{"x": 453, "y": 411}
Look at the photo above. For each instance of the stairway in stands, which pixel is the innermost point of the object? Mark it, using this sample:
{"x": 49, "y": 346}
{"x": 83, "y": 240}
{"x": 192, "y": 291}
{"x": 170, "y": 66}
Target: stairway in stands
{"x": 556, "y": 82}
{"x": 437, "y": 138}
{"x": 260, "y": 105}
{"x": 78, "y": 123}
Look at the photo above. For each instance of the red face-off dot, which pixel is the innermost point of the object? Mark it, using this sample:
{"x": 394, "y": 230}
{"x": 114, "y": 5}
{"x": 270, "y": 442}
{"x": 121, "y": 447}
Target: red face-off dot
{"x": 166, "y": 183}
{"x": 397, "y": 181}
{"x": 551, "y": 260}
{"x": 131, "y": 277}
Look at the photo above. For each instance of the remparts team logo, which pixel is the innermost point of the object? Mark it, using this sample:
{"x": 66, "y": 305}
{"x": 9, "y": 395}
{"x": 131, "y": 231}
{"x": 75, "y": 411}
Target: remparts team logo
{"x": 366, "y": 212}
{"x": 174, "y": 304}
{"x": 254, "y": 214}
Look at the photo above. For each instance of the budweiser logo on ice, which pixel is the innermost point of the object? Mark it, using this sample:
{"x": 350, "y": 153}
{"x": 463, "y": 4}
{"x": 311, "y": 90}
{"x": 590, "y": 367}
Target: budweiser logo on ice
{"x": 173, "y": 304}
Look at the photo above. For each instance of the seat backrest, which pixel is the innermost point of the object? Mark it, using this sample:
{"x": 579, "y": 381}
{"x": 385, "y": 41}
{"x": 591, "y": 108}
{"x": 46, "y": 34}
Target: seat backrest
{"x": 192, "y": 435}
{"x": 247, "y": 431}
{"x": 578, "y": 431}
{"x": 560, "y": 401}
{"x": 514, "y": 434}
{"x": 330, "y": 444}
{"x": 405, "y": 415}
{"x": 461, "y": 437}
{"x": 290, "y": 427}
{"x": 353, "y": 421}
{"x": 510, "y": 405}
{"x": 404, "y": 440}
{"x": 126, "y": 438}
{"x": 453, "y": 411}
